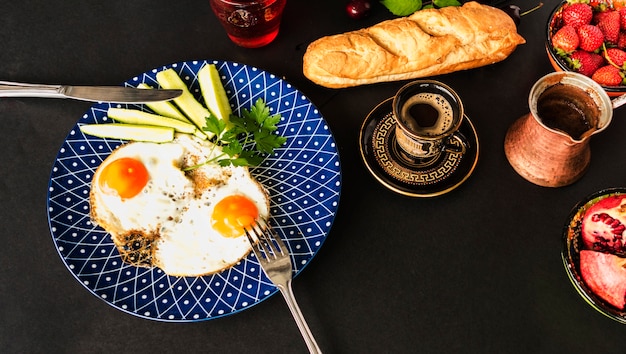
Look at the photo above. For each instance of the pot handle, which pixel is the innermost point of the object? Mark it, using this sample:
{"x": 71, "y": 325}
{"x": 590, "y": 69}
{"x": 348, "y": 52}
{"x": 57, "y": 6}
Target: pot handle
{"x": 618, "y": 101}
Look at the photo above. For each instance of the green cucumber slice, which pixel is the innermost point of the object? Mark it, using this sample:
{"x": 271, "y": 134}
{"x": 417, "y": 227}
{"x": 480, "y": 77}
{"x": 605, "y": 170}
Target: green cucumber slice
{"x": 134, "y": 116}
{"x": 213, "y": 92}
{"x": 164, "y": 108}
{"x": 193, "y": 109}
{"x": 129, "y": 132}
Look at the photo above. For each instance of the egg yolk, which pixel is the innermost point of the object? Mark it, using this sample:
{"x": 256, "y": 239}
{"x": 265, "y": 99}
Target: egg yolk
{"x": 125, "y": 176}
{"x": 232, "y": 214}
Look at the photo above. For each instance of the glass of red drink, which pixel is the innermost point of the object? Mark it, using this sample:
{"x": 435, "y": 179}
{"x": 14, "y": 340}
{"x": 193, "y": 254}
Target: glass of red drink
{"x": 250, "y": 23}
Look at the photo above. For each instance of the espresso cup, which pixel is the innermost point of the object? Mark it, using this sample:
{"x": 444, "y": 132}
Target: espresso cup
{"x": 428, "y": 115}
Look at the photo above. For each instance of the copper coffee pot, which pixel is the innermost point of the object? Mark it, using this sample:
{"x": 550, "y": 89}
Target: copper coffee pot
{"x": 549, "y": 153}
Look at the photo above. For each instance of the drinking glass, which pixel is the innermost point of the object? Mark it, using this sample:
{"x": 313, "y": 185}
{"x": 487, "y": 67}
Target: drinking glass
{"x": 250, "y": 23}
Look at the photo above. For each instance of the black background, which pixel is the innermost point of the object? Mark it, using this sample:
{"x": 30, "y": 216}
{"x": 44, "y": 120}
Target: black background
{"x": 475, "y": 270}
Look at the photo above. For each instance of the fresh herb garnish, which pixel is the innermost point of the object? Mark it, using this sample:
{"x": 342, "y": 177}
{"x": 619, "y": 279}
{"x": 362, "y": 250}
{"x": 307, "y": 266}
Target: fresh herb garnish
{"x": 245, "y": 140}
{"x": 407, "y": 7}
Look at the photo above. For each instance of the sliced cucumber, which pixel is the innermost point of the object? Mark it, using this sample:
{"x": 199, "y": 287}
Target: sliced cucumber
{"x": 129, "y": 132}
{"x": 164, "y": 108}
{"x": 134, "y": 116}
{"x": 213, "y": 92}
{"x": 200, "y": 134}
{"x": 193, "y": 109}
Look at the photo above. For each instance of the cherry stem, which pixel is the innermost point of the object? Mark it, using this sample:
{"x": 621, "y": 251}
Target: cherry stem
{"x": 531, "y": 10}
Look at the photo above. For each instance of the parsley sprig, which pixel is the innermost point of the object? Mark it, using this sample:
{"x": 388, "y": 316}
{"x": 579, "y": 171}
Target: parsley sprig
{"x": 245, "y": 140}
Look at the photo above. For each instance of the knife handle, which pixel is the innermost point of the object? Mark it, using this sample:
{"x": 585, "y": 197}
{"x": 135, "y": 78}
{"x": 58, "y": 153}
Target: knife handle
{"x": 17, "y": 89}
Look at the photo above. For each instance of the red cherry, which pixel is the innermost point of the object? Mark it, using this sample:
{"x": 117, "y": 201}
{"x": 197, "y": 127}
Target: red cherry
{"x": 358, "y": 9}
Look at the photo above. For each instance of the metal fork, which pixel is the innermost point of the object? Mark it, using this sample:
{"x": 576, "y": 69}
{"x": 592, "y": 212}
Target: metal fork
{"x": 275, "y": 261}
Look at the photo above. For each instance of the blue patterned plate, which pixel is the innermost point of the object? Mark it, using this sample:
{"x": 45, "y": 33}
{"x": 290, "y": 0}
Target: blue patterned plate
{"x": 303, "y": 179}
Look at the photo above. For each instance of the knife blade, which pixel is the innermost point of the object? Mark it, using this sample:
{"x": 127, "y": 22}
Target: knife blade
{"x": 118, "y": 94}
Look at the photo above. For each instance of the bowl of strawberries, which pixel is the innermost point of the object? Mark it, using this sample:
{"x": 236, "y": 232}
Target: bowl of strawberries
{"x": 589, "y": 37}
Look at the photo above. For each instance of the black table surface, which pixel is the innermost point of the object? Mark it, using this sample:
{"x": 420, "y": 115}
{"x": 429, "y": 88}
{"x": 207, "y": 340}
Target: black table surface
{"x": 475, "y": 270}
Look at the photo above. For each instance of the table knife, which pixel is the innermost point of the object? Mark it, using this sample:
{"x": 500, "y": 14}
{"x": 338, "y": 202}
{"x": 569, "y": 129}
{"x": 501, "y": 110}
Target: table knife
{"x": 118, "y": 94}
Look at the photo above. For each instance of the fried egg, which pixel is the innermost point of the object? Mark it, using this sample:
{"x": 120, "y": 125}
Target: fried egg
{"x": 188, "y": 223}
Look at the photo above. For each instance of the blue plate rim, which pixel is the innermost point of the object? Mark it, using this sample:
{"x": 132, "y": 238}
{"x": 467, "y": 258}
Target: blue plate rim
{"x": 133, "y": 82}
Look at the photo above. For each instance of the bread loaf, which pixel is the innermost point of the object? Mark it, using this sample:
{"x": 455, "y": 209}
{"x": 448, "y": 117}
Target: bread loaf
{"x": 426, "y": 43}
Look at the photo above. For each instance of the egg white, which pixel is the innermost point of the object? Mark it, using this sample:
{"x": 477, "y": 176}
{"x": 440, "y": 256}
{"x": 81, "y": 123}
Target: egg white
{"x": 170, "y": 219}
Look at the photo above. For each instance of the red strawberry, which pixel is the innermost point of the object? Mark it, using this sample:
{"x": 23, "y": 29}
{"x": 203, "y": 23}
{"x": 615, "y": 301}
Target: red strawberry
{"x": 609, "y": 24}
{"x": 615, "y": 57}
{"x": 586, "y": 63}
{"x": 622, "y": 17}
{"x": 565, "y": 39}
{"x": 591, "y": 37}
{"x": 599, "y": 16}
{"x": 577, "y": 14}
{"x": 608, "y": 75}
{"x": 621, "y": 40}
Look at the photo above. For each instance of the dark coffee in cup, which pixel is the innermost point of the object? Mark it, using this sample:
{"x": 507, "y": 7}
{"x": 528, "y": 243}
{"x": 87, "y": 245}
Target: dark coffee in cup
{"x": 427, "y": 114}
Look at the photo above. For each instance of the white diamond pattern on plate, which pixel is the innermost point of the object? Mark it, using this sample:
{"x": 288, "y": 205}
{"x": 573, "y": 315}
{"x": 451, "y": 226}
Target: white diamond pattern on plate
{"x": 303, "y": 179}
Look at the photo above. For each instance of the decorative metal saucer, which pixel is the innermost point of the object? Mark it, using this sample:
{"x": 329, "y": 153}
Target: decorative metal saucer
{"x": 391, "y": 166}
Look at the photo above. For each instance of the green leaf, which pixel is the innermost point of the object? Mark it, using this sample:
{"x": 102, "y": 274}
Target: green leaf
{"x": 402, "y": 7}
{"x": 271, "y": 122}
{"x": 444, "y": 3}
{"x": 266, "y": 141}
{"x": 240, "y": 162}
{"x": 229, "y": 136}
{"x": 233, "y": 148}
{"x": 246, "y": 139}
{"x": 252, "y": 158}
{"x": 259, "y": 111}
{"x": 237, "y": 121}
{"x": 214, "y": 125}
{"x": 224, "y": 162}
{"x": 248, "y": 158}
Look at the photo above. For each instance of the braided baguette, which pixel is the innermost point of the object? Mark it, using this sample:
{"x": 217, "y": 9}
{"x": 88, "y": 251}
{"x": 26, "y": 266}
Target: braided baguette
{"x": 429, "y": 42}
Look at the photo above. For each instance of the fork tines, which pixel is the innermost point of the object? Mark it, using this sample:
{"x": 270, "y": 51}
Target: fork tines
{"x": 275, "y": 261}
{"x": 264, "y": 240}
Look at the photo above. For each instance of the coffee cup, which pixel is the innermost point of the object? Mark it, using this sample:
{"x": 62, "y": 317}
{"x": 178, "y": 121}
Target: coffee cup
{"x": 428, "y": 115}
